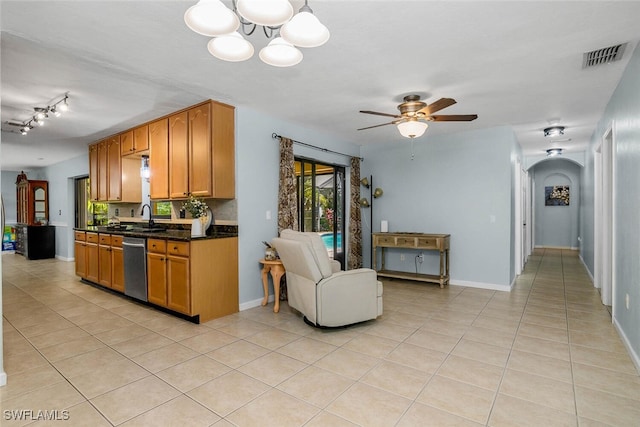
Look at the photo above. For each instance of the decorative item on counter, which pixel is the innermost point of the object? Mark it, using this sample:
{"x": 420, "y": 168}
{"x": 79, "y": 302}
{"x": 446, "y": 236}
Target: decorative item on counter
{"x": 270, "y": 252}
{"x": 201, "y": 215}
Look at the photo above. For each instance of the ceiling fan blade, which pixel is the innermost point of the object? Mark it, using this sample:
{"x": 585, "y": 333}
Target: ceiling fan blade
{"x": 381, "y": 114}
{"x": 437, "y": 106}
{"x": 453, "y": 118}
{"x": 384, "y": 124}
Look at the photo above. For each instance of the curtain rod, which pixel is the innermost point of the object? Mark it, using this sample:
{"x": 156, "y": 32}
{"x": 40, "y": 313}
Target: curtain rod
{"x": 326, "y": 150}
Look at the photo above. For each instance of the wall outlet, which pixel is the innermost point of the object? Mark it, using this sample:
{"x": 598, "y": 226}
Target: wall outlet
{"x": 626, "y": 301}
{"x": 117, "y": 212}
{"x": 421, "y": 257}
{"x": 401, "y": 257}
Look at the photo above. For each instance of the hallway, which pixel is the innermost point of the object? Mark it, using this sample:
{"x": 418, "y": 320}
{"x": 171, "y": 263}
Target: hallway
{"x": 544, "y": 354}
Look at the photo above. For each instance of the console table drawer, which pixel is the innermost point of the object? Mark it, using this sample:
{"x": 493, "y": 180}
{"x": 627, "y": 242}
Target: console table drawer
{"x": 385, "y": 240}
{"x": 427, "y": 243}
{"x": 406, "y": 242}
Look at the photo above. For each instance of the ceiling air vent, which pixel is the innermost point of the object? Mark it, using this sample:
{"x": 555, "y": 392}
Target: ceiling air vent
{"x": 603, "y": 56}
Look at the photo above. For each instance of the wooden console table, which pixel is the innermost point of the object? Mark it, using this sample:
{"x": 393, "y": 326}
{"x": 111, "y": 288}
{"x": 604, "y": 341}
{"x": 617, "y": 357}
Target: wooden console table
{"x": 416, "y": 241}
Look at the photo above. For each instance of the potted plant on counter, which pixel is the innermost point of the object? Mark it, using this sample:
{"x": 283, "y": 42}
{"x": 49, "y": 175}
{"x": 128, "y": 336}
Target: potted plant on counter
{"x": 200, "y": 213}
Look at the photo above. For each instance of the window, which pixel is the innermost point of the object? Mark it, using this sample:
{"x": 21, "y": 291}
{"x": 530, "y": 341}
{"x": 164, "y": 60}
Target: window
{"x": 161, "y": 210}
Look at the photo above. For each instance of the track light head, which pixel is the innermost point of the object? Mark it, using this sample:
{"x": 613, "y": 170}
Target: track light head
{"x": 63, "y": 105}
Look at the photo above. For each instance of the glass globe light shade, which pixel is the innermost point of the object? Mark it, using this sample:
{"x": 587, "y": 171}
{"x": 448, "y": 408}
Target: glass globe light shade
{"x": 231, "y": 47}
{"x": 265, "y": 12}
{"x": 211, "y": 18}
{"x": 280, "y": 53}
{"x": 305, "y": 30}
{"x": 412, "y": 128}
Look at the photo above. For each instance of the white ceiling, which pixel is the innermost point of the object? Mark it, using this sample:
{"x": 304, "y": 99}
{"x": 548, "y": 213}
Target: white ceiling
{"x": 513, "y": 63}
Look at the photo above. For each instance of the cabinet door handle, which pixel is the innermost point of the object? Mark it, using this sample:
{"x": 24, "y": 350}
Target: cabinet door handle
{"x": 175, "y": 248}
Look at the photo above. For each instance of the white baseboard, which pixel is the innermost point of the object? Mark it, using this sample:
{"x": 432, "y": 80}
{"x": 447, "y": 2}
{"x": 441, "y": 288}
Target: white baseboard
{"x": 634, "y": 356}
{"x": 587, "y": 269}
{"x": 3, "y": 378}
{"x": 254, "y": 303}
{"x": 480, "y": 285}
{"x": 61, "y": 258}
{"x": 569, "y": 248}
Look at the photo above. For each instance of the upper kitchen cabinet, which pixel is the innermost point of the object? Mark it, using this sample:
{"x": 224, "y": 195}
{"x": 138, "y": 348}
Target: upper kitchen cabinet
{"x": 113, "y": 178}
{"x": 135, "y": 141}
{"x": 202, "y": 152}
{"x": 159, "y": 159}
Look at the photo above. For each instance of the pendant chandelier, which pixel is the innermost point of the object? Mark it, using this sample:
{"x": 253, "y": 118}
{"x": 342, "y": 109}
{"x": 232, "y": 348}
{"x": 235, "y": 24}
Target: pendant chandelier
{"x": 212, "y": 18}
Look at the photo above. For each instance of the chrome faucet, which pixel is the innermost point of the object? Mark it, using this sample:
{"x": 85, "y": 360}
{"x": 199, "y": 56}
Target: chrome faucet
{"x": 151, "y": 222}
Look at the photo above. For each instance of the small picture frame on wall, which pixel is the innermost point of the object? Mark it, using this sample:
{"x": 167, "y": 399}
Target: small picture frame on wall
{"x": 557, "y": 195}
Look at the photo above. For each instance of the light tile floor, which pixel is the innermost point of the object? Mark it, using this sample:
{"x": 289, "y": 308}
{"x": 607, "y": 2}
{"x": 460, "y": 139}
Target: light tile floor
{"x": 544, "y": 354}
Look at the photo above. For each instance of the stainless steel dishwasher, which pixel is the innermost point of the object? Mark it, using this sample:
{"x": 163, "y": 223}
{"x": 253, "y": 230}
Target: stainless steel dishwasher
{"x": 135, "y": 267}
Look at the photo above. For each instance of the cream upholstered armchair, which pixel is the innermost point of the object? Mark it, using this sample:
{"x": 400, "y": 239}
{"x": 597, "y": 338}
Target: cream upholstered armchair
{"x": 326, "y": 296}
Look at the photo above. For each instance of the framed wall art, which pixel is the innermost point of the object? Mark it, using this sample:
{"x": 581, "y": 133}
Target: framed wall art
{"x": 557, "y": 195}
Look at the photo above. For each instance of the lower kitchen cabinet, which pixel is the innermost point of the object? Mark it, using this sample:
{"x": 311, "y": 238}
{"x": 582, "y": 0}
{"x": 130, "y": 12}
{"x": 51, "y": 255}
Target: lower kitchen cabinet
{"x": 157, "y": 272}
{"x": 117, "y": 264}
{"x": 92, "y": 257}
{"x": 80, "y": 253}
{"x": 197, "y": 278}
{"x": 104, "y": 259}
{"x": 168, "y": 274}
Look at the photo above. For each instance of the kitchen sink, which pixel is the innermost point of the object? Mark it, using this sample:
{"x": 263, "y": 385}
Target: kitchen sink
{"x": 148, "y": 229}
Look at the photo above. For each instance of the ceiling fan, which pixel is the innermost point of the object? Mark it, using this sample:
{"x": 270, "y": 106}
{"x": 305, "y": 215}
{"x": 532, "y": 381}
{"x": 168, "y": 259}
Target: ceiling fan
{"x": 414, "y": 113}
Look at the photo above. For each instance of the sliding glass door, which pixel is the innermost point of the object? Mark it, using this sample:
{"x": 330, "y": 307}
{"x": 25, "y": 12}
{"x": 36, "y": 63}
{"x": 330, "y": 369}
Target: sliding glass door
{"x": 321, "y": 203}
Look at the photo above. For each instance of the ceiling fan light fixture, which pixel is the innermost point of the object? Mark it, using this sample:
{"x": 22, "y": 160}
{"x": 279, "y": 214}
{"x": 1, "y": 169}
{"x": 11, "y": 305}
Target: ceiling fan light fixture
{"x": 231, "y": 47}
{"x": 211, "y": 18}
{"x": 412, "y": 128}
{"x": 554, "y": 131}
{"x": 269, "y": 13}
{"x": 305, "y": 29}
{"x": 280, "y": 53}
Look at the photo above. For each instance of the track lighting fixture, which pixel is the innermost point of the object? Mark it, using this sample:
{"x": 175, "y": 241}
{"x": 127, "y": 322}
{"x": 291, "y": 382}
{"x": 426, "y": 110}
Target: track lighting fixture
{"x": 41, "y": 115}
{"x": 276, "y": 17}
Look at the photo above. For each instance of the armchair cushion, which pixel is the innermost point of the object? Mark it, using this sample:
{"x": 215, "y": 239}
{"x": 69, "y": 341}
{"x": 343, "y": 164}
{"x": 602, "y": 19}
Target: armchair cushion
{"x": 317, "y": 247}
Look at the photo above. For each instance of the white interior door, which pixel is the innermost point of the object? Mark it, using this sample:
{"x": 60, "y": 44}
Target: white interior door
{"x": 604, "y": 218}
{"x": 518, "y": 228}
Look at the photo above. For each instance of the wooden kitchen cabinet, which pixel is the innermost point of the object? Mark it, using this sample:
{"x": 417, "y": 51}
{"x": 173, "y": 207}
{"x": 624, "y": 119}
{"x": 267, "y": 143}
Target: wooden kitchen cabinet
{"x": 196, "y": 278}
{"x": 178, "y": 156}
{"x": 114, "y": 169}
{"x": 92, "y": 257}
{"x": 80, "y": 254}
{"x": 135, "y": 141}
{"x": 178, "y": 273}
{"x": 117, "y": 264}
{"x": 157, "y": 272}
{"x": 202, "y": 152}
{"x": 103, "y": 171}
{"x": 159, "y": 159}
{"x": 200, "y": 162}
{"x": 168, "y": 274}
{"x": 104, "y": 259}
{"x": 113, "y": 178}
{"x": 93, "y": 171}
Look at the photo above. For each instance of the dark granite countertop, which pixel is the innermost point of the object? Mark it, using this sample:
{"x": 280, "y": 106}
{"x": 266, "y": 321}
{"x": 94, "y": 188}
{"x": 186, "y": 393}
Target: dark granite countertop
{"x": 214, "y": 232}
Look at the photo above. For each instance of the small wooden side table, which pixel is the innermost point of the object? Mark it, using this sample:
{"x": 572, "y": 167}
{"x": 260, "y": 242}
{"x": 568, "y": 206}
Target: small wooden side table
{"x": 277, "y": 271}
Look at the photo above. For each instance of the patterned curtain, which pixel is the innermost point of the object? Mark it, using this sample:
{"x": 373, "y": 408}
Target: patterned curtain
{"x": 355, "y": 221}
{"x": 287, "y": 197}
{"x": 287, "y": 200}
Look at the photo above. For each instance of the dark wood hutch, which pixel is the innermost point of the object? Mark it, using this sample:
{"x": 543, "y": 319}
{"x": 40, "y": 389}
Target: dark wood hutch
{"x": 35, "y": 238}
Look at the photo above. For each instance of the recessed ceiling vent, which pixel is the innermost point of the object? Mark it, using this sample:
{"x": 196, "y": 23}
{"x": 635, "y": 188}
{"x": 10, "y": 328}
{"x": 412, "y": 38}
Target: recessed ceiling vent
{"x": 603, "y": 56}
